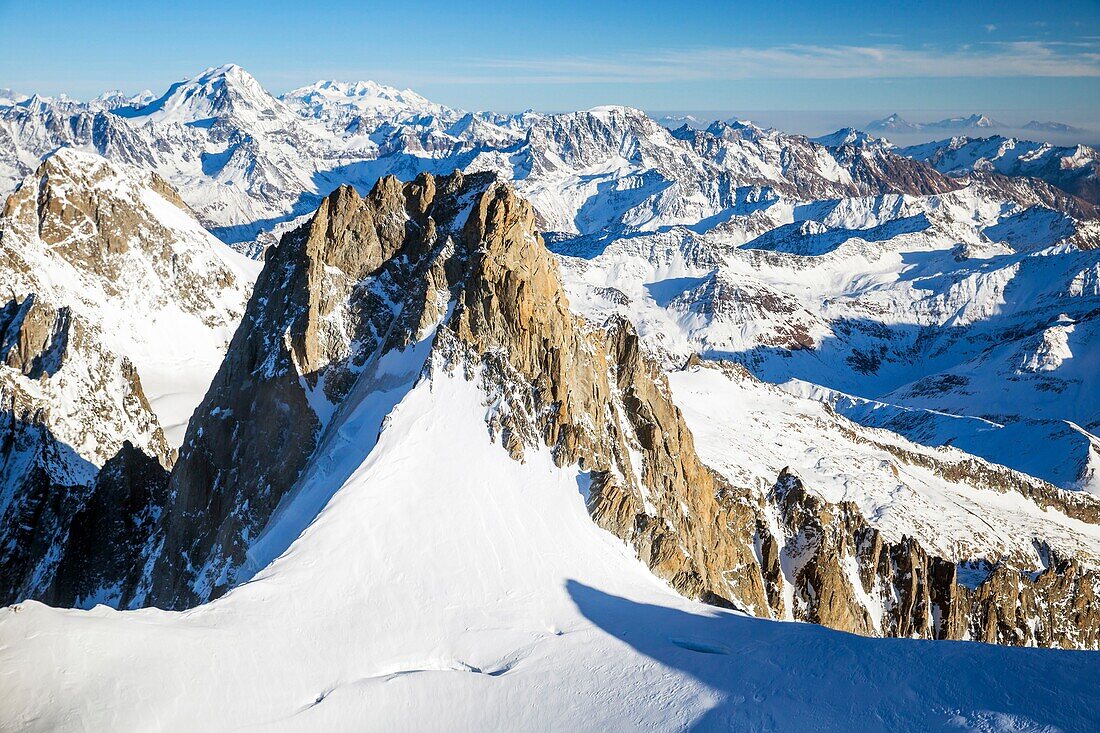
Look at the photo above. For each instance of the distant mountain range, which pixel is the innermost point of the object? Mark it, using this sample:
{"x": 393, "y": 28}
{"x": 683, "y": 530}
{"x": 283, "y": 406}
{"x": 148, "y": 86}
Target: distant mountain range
{"x": 975, "y": 122}
{"x": 1051, "y": 127}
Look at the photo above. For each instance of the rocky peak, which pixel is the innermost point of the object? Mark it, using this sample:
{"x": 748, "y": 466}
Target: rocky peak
{"x": 369, "y": 276}
{"x": 581, "y": 139}
{"x": 81, "y": 194}
{"x": 122, "y": 232}
{"x": 356, "y": 281}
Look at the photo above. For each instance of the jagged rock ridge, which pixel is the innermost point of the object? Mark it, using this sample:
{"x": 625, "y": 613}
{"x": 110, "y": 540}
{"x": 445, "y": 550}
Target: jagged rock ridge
{"x": 455, "y": 264}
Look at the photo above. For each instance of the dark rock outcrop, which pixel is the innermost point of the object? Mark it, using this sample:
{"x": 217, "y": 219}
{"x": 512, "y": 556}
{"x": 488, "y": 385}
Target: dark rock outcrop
{"x": 33, "y": 336}
{"x": 110, "y": 531}
{"x": 43, "y": 483}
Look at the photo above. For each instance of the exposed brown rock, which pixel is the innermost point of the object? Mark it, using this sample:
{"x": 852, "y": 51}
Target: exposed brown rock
{"x": 916, "y": 594}
{"x": 360, "y": 278}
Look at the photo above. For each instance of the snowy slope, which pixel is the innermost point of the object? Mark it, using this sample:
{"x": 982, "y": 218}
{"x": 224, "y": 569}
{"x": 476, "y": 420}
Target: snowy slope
{"x": 426, "y": 595}
{"x": 166, "y": 294}
{"x": 843, "y": 461}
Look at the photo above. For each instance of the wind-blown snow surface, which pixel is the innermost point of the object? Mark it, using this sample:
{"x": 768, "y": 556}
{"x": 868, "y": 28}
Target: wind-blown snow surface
{"x": 471, "y": 591}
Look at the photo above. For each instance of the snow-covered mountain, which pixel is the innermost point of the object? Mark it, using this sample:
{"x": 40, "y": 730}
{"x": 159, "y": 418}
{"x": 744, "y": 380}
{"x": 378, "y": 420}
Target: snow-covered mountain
{"x": 1072, "y": 169}
{"x": 453, "y": 276}
{"x": 952, "y": 303}
{"x": 242, "y": 159}
{"x": 235, "y": 154}
{"x": 973, "y": 125}
{"x": 461, "y": 599}
{"x": 339, "y": 104}
{"x": 896, "y": 123}
{"x": 9, "y": 98}
{"x": 788, "y": 378}
{"x": 246, "y": 161}
{"x": 120, "y": 307}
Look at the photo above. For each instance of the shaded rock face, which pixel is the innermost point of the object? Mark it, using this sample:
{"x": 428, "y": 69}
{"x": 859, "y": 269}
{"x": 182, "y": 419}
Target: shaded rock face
{"x": 44, "y": 483}
{"x": 882, "y": 171}
{"x": 33, "y": 336}
{"x": 112, "y": 527}
{"x": 50, "y": 453}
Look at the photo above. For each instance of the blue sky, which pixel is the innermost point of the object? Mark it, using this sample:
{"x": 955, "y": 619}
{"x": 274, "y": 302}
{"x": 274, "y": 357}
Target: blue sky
{"x": 1028, "y": 57}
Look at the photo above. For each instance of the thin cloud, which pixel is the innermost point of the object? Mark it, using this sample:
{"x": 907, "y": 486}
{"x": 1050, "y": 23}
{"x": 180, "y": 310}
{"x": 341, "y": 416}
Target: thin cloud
{"x": 1000, "y": 59}
{"x": 990, "y": 28}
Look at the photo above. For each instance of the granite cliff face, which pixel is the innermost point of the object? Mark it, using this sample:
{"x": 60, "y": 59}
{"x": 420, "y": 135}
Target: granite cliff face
{"x": 451, "y": 273}
{"x": 378, "y": 292}
{"x": 847, "y": 576}
{"x": 589, "y": 394}
{"x": 333, "y": 297}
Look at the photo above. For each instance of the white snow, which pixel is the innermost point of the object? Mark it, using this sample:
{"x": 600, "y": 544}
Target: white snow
{"x": 749, "y": 431}
{"x": 471, "y": 591}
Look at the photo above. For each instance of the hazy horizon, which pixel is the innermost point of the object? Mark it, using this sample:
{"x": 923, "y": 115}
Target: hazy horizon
{"x": 1013, "y": 58}
{"x": 799, "y": 121}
